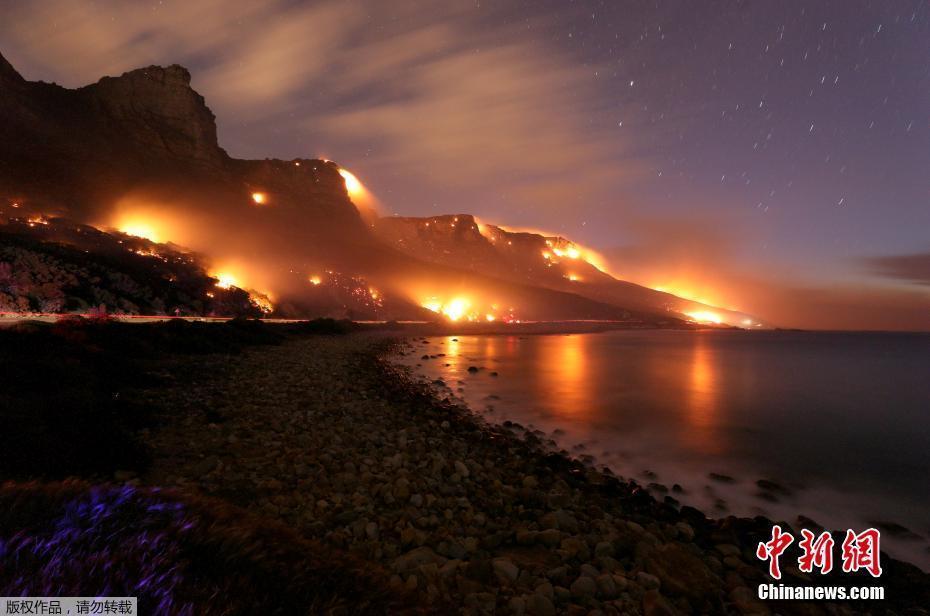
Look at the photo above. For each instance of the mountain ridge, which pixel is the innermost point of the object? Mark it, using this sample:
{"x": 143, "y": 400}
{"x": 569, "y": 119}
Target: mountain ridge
{"x": 147, "y": 136}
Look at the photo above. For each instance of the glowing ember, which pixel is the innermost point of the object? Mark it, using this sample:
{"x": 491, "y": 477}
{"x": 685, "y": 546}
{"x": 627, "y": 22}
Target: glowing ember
{"x": 315, "y": 280}
{"x": 225, "y": 280}
{"x": 705, "y": 316}
{"x": 489, "y": 318}
{"x": 259, "y": 198}
{"x": 262, "y": 302}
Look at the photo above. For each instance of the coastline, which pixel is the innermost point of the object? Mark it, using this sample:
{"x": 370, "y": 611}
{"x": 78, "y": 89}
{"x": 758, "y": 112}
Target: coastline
{"x": 463, "y": 513}
{"x": 417, "y": 501}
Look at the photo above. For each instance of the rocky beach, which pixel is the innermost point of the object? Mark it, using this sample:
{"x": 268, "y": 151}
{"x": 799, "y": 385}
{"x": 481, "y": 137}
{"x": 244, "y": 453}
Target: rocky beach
{"x": 326, "y": 436}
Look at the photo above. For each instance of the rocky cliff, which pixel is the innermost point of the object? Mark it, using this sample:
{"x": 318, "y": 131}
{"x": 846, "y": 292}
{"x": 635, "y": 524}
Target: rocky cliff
{"x": 147, "y": 141}
{"x": 552, "y": 262}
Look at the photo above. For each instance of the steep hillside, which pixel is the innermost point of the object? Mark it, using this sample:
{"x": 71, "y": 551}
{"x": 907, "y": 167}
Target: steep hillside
{"x": 552, "y": 262}
{"x": 139, "y": 153}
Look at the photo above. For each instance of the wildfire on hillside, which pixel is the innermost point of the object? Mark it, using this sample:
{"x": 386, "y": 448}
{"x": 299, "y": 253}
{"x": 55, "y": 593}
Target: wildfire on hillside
{"x": 463, "y": 308}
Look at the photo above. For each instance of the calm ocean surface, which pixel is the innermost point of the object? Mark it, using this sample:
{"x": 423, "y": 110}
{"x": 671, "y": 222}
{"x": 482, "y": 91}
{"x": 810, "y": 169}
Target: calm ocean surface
{"x": 841, "y": 420}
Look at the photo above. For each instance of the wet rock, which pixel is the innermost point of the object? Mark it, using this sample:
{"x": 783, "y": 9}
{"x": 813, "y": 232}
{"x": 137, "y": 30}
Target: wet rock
{"x": 896, "y": 530}
{"x": 655, "y": 604}
{"x": 505, "y": 570}
{"x": 517, "y": 606}
{"x": 606, "y": 586}
{"x": 647, "y": 580}
{"x": 550, "y": 537}
{"x": 727, "y": 549}
{"x": 603, "y": 548}
{"x": 583, "y": 587}
{"x": 721, "y": 478}
{"x": 681, "y": 572}
{"x": 685, "y": 531}
{"x": 461, "y": 468}
{"x": 745, "y": 601}
{"x": 559, "y": 520}
{"x": 416, "y": 558}
{"x": 767, "y": 485}
{"x": 540, "y": 605}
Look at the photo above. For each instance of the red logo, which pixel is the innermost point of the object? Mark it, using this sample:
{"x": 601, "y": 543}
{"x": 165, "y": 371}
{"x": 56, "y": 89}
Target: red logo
{"x": 860, "y": 551}
{"x": 817, "y": 552}
{"x": 773, "y": 549}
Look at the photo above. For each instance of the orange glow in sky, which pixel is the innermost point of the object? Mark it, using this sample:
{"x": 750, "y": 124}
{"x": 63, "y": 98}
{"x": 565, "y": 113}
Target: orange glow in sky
{"x": 140, "y": 228}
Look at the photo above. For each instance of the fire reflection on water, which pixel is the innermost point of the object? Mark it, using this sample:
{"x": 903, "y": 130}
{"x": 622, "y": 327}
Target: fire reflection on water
{"x": 701, "y": 399}
{"x": 566, "y": 376}
{"x": 576, "y": 390}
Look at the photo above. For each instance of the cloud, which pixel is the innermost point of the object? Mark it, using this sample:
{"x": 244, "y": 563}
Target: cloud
{"x": 438, "y": 93}
{"x": 913, "y": 268}
{"x": 701, "y": 258}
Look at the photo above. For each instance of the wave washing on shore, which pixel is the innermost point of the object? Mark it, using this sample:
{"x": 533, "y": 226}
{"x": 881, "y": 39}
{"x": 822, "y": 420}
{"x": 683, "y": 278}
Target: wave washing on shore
{"x": 827, "y": 426}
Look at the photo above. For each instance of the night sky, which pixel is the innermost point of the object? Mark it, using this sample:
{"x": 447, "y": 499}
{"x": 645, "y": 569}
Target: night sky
{"x": 767, "y": 156}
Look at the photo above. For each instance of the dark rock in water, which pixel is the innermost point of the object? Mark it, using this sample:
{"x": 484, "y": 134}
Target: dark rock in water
{"x": 472, "y": 369}
{"x": 439, "y": 382}
{"x": 425, "y": 357}
{"x": 805, "y": 522}
{"x": 721, "y": 478}
{"x": 658, "y": 487}
{"x": 455, "y": 340}
{"x": 677, "y": 489}
{"x": 692, "y": 516}
{"x": 767, "y": 496}
{"x": 773, "y": 486}
{"x": 493, "y": 373}
{"x": 649, "y": 475}
{"x": 895, "y": 530}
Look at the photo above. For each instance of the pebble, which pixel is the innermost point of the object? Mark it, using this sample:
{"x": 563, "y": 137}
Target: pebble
{"x": 459, "y": 512}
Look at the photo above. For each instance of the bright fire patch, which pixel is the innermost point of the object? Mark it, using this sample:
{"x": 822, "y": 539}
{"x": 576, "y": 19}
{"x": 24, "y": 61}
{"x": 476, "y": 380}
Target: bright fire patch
{"x": 225, "y": 280}
{"x": 463, "y": 308}
{"x": 705, "y": 316}
{"x": 140, "y": 229}
{"x": 259, "y": 198}
{"x": 353, "y": 186}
